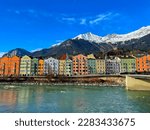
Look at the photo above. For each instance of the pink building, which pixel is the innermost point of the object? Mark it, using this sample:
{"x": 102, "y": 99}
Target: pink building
{"x": 80, "y": 65}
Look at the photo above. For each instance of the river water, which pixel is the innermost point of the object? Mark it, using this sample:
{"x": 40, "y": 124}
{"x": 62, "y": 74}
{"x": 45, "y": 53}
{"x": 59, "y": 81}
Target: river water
{"x": 71, "y": 99}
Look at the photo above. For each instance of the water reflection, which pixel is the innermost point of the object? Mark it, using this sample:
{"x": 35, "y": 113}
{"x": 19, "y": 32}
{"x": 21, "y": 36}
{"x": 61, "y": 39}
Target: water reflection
{"x": 8, "y": 97}
{"x": 70, "y": 99}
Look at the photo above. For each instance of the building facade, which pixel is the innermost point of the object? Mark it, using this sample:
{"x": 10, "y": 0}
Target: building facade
{"x": 128, "y": 65}
{"x": 34, "y": 66}
{"x": 51, "y": 66}
{"x": 113, "y": 66}
{"x": 10, "y": 66}
{"x": 68, "y": 67}
{"x": 143, "y": 63}
{"x": 25, "y": 66}
{"x": 80, "y": 66}
{"x": 100, "y": 66}
{"x": 41, "y": 67}
{"x": 62, "y": 64}
{"x": 91, "y": 64}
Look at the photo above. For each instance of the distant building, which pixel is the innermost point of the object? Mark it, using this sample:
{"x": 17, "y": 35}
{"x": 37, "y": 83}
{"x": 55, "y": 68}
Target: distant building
{"x": 80, "y": 66}
{"x": 113, "y": 66}
{"x": 34, "y": 66}
{"x": 91, "y": 64}
{"x": 41, "y": 67}
{"x": 25, "y": 66}
{"x": 128, "y": 64}
{"x": 143, "y": 63}
{"x": 100, "y": 66}
{"x": 10, "y": 66}
{"x": 51, "y": 66}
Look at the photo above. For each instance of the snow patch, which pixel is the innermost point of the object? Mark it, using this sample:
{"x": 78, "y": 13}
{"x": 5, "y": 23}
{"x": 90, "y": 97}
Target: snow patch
{"x": 114, "y": 38}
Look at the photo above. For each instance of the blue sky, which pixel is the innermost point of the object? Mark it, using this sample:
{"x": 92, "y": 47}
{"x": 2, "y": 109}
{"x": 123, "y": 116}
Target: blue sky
{"x": 35, "y": 24}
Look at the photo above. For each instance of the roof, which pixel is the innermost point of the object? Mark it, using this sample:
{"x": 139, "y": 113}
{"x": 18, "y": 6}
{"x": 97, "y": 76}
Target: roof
{"x": 63, "y": 57}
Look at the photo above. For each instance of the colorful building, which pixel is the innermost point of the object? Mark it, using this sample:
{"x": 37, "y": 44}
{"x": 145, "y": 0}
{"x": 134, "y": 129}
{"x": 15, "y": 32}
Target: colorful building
{"x": 143, "y": 63}
{"x": 41, "y": 67}
{"x": 100, "y": 66}
{"x": 10, "y": 66}
{"x": 34, "y": 66}
{"x": 128, "y": 64}
{"x": 80, "y": 66}
{"x": 91, "y": 64}
{"x": 51, "y": 66}
{"x": 68, "y": 67}
{"x": 25, "y": 66}
{"x": 62, "y": 64}
{"x": 113, "y": 66}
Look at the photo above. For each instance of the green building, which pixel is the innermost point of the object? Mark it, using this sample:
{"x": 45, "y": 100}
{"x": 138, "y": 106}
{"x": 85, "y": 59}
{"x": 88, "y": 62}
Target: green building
{"x": 68, "y": 67}
{"x": 91, "y": 64}
{"x": 34, "y": 66}
{"x": 128, "y": 64}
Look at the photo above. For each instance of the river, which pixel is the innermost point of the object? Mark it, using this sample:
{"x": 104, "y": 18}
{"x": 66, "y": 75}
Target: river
{"x": 71, "y": 99}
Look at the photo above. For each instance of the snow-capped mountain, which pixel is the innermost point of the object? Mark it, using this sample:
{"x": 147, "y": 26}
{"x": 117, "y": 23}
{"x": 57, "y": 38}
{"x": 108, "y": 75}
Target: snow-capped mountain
{"x": 114, "y": 38}
{"x": 88, "y": 43}
{"x": 89, "y": 37}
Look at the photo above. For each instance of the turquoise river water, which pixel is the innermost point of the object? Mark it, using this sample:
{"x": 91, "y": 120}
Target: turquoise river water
{"x": 71, "y": 99}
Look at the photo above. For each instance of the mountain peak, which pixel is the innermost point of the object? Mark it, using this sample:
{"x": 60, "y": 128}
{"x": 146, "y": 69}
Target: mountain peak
{"x": 114, "y": 38}
{"x": 17, "y": 52}
{"x": 89, "y": 37}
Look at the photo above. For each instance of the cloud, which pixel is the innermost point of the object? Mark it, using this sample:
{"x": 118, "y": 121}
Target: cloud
{"x": 69, "y": 20}
{"x": 2, "y": 53}
{"x": 17, "y": 12}
{"x": 38, "y": 49}
{"x": 101, "y": 17}
{"x": 90, "y": 20}
{"x": 83, "y": 21}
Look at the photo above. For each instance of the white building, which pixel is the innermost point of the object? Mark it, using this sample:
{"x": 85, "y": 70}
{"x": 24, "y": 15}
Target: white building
{"x": 51, "y": 66}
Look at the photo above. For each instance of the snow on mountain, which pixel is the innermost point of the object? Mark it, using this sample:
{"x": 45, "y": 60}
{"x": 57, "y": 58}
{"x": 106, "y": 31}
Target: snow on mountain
{"x": 126, "y": 37}
{"x": 114, "y": 38}
{"x": 89, "y": 37}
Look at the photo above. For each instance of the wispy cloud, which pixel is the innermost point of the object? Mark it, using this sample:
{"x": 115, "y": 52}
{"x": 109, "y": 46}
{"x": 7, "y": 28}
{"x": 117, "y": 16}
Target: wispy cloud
{"x": 30, "y": 12}
{"x": 83, "y": 21}
{"x": 90, "y": 20}
{"x": 101, "y": 17}
{"x": 69, "y": 20}
{"x": 17, "y": 12}
{"x": 2, "y": 53}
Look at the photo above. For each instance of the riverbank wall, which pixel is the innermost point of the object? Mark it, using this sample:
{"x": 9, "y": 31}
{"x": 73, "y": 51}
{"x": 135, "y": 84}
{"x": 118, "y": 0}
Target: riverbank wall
{"x": 142, "y": 83}
{"x": 85, "y": 80}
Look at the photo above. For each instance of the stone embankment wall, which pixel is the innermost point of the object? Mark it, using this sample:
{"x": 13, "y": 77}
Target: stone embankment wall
{"x": 107, "y": 80}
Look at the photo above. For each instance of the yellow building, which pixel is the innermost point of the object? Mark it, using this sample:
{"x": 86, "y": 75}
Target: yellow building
{"x": 41, "y": 67}
{"x": 100, "y": 66}
{"x": 62, "y": 67}
{"x": 25, "y": 66}
{"x": 62, "y": 64}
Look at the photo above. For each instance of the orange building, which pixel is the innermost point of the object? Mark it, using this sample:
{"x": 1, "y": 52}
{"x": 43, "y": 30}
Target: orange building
{"x": 143, "y": 63}
{"x": 9, "y": 66}
{"x": 80, "y": 65}
{"x": 41, "y": 67}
